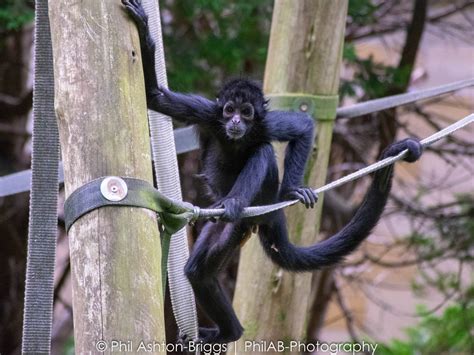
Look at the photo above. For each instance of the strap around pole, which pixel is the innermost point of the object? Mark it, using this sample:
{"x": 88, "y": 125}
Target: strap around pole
{"x": 320, "y": 107}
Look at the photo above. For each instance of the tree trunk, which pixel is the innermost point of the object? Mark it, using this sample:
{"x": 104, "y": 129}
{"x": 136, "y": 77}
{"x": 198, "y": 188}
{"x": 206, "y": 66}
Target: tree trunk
{"x": 304, "y": 57}
{"x": 388, "y": 126}
{"x": 100, "y": 104}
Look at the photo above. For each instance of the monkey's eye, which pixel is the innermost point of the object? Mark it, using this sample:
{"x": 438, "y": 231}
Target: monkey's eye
{"x": 229, "y": 108}
{"x": 247, "y": 111}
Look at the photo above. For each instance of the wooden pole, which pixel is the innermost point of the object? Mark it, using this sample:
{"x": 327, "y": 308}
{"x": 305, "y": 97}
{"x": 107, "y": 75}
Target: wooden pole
{"x": 304, "y": 56}
{"x": 101, "y": 108}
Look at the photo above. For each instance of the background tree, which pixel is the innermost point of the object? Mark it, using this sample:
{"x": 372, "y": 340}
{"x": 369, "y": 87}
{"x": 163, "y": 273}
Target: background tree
{"x": 16, "y": 37}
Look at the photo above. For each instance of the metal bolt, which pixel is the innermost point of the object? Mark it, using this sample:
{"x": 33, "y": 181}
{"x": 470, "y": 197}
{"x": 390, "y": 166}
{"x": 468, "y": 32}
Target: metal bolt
{"x": 113, "y": 188}
{"x": 304, "y": 107}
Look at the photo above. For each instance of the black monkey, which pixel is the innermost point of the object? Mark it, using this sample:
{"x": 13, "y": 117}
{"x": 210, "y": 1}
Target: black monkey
{"x": 239, "y": 166}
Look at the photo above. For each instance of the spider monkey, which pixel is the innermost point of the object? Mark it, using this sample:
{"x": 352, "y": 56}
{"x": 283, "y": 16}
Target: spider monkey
{"x": 239, "y": 165}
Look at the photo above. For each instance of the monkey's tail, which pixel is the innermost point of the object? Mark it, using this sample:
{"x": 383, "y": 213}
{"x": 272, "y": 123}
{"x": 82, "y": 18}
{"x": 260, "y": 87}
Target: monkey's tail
{"x": 274, "y": 236}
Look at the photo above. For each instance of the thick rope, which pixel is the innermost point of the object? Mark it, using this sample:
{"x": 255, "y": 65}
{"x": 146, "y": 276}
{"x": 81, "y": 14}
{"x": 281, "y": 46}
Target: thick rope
{"x": 39, "y": 289}
{"x": 167, "y": 179}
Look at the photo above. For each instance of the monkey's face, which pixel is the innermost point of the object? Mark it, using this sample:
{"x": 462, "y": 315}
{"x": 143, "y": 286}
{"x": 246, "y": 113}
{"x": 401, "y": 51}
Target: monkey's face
{"x": 238, "y": 118}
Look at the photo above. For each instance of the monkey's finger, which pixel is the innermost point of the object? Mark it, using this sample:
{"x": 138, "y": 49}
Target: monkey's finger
{"x": 136, "y": 3}
{"x": 298, "y": 196}
{"x": 162, "y": 90}
{"x": 307, "y": 200}
{"x": 140, "y": 19}
{"x": 309, "y": 197}
{"x": 135, "y": 12}
{"x": 131, "y": 11}
{"x": 313, "y": 197}
{"x": 226, "y": 216}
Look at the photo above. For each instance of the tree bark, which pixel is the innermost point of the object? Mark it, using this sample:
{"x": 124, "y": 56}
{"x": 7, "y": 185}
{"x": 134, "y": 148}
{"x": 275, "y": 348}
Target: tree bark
{"x": 100, "y": 104}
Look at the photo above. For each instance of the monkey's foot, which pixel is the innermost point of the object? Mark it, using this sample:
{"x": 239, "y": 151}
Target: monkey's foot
{"x": 214, "y": 336}
{"x": 137, "y": 13}
{"x": 415, "y": 149}
{"x": 233, "y": 207}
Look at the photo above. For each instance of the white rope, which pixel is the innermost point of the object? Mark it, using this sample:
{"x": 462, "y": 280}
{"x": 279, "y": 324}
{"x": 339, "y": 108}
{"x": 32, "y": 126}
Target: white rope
{"x": 259, "y": 210}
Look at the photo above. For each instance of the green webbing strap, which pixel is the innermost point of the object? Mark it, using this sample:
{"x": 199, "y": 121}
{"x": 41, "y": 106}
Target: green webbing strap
{"x": 174, "y": 215}
{"x": 43, "y": 221}
{"x": 321, "y": 107}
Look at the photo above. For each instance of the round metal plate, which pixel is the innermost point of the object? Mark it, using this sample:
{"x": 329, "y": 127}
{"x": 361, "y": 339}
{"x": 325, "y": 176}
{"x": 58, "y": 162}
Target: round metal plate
{"x": 114, "y": 188}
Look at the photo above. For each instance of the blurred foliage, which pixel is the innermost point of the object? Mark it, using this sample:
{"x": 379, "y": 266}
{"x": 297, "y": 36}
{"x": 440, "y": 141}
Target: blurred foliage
{"x": 457, "y": 222}
{"x": 374, "y": 79}
{"x": 69, "y": 347}
{"x": 209, "y": 41}
{"x": 361, "y": 12}
{"x": 450, "y": 333}
{"x": 14, "y": 14}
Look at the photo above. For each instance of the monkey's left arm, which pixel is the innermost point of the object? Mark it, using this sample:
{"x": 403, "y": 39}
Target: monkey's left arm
{"x": 248, "y": 183}
{"x": 298, "y": 130}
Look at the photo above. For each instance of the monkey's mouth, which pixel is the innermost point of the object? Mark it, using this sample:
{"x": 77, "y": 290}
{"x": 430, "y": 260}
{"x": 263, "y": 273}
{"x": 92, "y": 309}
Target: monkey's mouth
{"x": 235, "y": 133}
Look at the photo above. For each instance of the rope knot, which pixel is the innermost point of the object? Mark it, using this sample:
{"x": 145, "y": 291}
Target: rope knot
{"x": 195, "y": 216}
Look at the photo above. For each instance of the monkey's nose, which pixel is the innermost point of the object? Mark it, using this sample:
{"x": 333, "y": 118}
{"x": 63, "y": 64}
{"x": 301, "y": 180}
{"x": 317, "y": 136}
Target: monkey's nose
{"x": 236, "y": 120}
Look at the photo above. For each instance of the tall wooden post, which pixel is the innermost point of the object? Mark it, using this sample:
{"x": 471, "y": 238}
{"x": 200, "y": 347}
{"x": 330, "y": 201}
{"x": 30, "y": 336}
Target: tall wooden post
{"x": 304, "y": 56}
{"x": 100, "y": 104}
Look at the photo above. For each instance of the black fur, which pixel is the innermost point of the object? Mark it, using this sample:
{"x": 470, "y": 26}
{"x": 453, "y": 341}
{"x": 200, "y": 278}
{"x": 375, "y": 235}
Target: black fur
{"x": 242, "y": 172}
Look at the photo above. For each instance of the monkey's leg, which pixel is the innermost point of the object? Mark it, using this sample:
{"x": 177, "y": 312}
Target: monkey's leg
{"x": 212, "y": 250}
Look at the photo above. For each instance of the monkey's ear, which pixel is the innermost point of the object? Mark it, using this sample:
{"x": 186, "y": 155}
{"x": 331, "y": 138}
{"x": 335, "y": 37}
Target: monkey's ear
{"x": 217, "y": 99}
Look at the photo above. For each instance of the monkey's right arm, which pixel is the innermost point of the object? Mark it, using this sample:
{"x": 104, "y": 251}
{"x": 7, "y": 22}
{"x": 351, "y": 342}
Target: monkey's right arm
{"x": 186, "y": 108}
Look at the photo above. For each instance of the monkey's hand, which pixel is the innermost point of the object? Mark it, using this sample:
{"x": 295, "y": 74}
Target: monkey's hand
{"x": 137, "y": 13}
{"x": 161, "y": 99}
{"x": 163, "y": 91}
{"x": 415, "y": 149}
{"x": 305, "y": 195}
{"x": 233, "y": 207}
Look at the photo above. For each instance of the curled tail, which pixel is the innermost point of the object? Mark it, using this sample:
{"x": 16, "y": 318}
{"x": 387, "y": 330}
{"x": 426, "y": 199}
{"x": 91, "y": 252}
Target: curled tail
{"x": 274, "y": 235}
